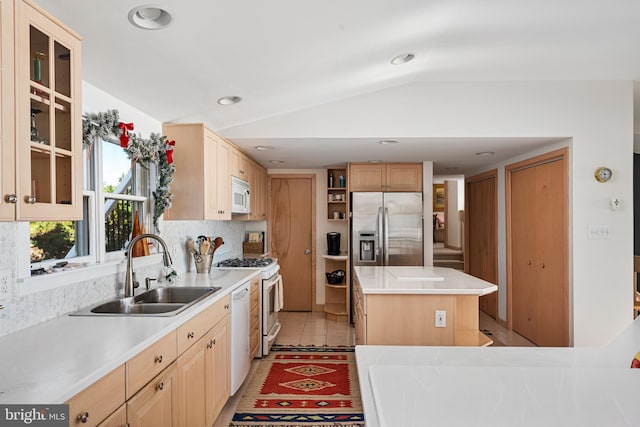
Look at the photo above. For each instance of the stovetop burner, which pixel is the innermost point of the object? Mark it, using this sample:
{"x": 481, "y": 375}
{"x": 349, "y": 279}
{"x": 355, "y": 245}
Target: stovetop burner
{"x": 246, "y": 262}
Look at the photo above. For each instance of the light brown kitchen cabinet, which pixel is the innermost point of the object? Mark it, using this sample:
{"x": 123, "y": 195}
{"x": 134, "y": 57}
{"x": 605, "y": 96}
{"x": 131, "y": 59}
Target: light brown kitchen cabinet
{"x": 7, "y": 147}
{"x": 239, "y": 164}
{"x": 217, "y": 370}
{"x": 202, "y": 181}
{"x": 254, "y": 318}
{"x": 42, "y": 143}
{"x": 95, "y": 403}
{"x": 385, "y": 177}
{"x": 203, "y": 383}
{"x": 156, "y": 404}
{"x": 257, "y": 177}
{"x": 117, "y": 419}
{"x": 150, "y": 362}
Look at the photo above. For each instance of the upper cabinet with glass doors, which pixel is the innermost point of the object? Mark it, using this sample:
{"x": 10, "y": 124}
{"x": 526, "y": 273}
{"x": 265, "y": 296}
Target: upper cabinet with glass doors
{"x": 48, "y": 117}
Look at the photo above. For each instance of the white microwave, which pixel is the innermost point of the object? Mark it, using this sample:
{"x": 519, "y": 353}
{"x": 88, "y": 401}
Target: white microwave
{"x": 239, "y": 196}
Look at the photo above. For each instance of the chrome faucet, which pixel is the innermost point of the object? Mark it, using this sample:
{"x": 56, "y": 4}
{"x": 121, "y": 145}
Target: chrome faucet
{"x": 128, "y": 279}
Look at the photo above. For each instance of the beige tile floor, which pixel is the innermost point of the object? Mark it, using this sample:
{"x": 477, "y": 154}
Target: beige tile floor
{"x": 297, "y": 329}
{"x": 314, "y": 329}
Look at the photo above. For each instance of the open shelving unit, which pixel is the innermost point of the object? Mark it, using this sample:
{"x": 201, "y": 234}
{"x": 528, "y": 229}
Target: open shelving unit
{"x": 337, "y": 297}
{"x": 337, "y": 195}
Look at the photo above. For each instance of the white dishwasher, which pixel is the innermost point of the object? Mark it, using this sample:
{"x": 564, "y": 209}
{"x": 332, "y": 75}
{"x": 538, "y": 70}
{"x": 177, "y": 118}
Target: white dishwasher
{"x": 240, "y": 358}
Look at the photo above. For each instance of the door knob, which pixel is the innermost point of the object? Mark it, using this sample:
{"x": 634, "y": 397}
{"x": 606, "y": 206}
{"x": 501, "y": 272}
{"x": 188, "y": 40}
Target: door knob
{"x": 307, "y": 251}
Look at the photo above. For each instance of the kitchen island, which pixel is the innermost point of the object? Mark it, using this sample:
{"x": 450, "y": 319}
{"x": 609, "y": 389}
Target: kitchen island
{"x": 418, "y": 306}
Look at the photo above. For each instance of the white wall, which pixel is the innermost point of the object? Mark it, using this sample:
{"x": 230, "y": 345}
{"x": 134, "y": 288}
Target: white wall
{"x": 452, "y": 221}
{"x": 598, "y": 116}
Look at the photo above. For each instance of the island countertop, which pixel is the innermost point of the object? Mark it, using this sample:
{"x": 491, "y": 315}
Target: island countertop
{"x": 420, "y": 280}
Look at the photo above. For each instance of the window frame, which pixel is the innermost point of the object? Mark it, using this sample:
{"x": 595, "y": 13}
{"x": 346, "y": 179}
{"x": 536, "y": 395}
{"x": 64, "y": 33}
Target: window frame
{"x": 93, "y": 185}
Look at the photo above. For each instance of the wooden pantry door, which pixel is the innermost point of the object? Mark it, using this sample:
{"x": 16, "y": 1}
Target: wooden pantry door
{"x": 537, "y": 249}
{"x": 292, "y": 237}
{"x": 481, "y": 229}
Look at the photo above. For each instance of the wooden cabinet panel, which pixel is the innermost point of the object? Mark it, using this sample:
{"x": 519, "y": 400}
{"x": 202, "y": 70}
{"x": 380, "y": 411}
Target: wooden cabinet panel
{"x": 239, "y": 164}
{"x": 385, "y": 177}
{"x": 155, "y": 404}
{"x": 202, "y": 182}
{"x": 194, "y": 329}
{"x": 7, "y": 108}
{"x": 367, "y": 177}
{"x": 117, "y": 419}
{"x": 150, "y": 362}
{"x": 218, "y": 386}
{"x": 48, "y": 132}
{"x": 403, "y": 177}
{"x": 99, "y": 400}
{"x": 191, "y": 382}
{"x": 254, "y": 317}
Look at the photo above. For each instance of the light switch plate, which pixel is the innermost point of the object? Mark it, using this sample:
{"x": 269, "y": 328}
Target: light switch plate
{"x": 441, "y": 319}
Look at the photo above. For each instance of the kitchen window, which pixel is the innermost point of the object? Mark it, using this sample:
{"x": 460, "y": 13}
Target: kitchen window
{"x": 109, "y": 210}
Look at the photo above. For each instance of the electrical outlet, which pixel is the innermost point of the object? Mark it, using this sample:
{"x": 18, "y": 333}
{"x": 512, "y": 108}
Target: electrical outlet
{"x": 441, "y": 319}
{"x": 5, "y": 284}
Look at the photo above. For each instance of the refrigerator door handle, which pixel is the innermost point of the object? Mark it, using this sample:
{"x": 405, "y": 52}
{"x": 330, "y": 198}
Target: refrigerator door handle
{"x": 386, "y": 236}
{"x": 379, "y": 231}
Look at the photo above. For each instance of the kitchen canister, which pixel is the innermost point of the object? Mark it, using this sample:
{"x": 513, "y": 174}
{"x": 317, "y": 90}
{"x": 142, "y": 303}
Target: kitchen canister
{"x": 203, "y": 262}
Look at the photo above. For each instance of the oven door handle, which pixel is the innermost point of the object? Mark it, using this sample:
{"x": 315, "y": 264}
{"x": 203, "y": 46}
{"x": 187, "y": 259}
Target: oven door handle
{"x": 273, "y": 282}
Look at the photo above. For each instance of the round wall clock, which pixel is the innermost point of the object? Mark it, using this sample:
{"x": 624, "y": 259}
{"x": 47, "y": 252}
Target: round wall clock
{"x": 603, "y": 174}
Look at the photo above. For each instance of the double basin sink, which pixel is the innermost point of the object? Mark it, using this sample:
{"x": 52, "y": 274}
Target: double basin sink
{"x": 155, "y": 302}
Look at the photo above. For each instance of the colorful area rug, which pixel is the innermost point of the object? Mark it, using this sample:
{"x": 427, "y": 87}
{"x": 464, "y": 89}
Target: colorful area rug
{"x": 303, "y": 387}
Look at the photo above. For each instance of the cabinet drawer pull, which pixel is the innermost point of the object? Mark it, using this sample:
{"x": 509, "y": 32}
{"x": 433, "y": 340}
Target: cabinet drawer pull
{"x": 11, "y": 198}
{"x": 191, "y": 335}
{"x": 83, "y": 418}
{"x": 159, "y": 359}
{"x": 160, "y": 386}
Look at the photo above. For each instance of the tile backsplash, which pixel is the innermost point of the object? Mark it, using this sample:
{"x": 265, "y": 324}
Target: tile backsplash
{"x": 20, "y": 312}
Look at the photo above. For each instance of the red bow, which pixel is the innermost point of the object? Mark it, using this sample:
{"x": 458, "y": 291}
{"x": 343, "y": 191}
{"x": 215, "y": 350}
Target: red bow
{"x": 169, "y": 150}
{"x": 124, "y": 135}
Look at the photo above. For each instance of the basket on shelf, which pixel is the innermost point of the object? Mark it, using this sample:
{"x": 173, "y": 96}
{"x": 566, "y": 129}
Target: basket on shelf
{"x": 335, "y": 277}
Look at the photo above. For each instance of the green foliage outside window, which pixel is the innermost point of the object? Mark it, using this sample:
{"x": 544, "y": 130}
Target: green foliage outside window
{"x": 51, "y": 240}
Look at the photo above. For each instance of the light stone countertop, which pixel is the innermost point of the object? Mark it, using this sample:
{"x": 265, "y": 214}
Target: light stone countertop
{"x": 51, "y": 362}
{"x": 420, "y": 280}
{"x": 501, "y": 386}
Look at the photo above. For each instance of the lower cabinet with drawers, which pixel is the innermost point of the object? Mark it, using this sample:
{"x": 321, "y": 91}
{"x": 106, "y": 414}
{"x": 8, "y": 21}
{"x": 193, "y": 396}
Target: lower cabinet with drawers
{"x": 180, "y": 380}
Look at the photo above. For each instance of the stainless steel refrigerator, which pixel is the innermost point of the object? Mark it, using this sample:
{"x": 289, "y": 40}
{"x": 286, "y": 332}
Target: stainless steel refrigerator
{"x": 386, "y": 229}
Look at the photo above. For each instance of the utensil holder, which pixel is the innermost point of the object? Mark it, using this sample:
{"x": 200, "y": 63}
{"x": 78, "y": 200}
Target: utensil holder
{"x": 203, "y": 262}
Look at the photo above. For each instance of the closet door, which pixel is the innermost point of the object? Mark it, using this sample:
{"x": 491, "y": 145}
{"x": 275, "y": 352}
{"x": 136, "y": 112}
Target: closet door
{"x": 551, "y": 255}
{"x": 537, "y": 229}
{"x": 482, "y": 236}
{"x": 523, "y": 253}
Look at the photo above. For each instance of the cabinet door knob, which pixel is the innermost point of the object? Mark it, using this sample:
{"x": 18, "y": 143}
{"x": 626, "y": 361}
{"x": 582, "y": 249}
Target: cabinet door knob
{"x": 160, "y": 386}
{"x": 226, "y": 306}
{"x": 11, "y": 198}
{"x": 190, "y": 335}
{"x": 83, "y": 418}
{"x": 30, "y": 199}
{"x": 159, "y": 359}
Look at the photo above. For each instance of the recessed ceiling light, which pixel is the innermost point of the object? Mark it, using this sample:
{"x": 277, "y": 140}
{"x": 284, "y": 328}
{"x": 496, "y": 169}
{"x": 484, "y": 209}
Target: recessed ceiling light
{"x": 388, "y": 142}
{"x": 229, "y": 100}
{"x": 485, "y": 153}
{"x": 263, "y": 147}
{"x": 277, "y": 162}
{"x": 402, "y": 59}
{"x": 149, "y": 17}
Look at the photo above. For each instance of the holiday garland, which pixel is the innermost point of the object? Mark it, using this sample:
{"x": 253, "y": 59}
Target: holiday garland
{"x": 154, "y": 150}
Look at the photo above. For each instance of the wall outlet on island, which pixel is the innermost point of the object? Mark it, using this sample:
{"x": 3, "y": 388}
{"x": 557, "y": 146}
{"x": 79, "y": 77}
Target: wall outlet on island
{"x": 5, "y": 283}
{"x": 441, "y": 318}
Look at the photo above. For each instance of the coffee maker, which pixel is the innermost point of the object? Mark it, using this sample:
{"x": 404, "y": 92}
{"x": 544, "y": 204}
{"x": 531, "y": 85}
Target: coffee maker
{"x": 333, "y": 243}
